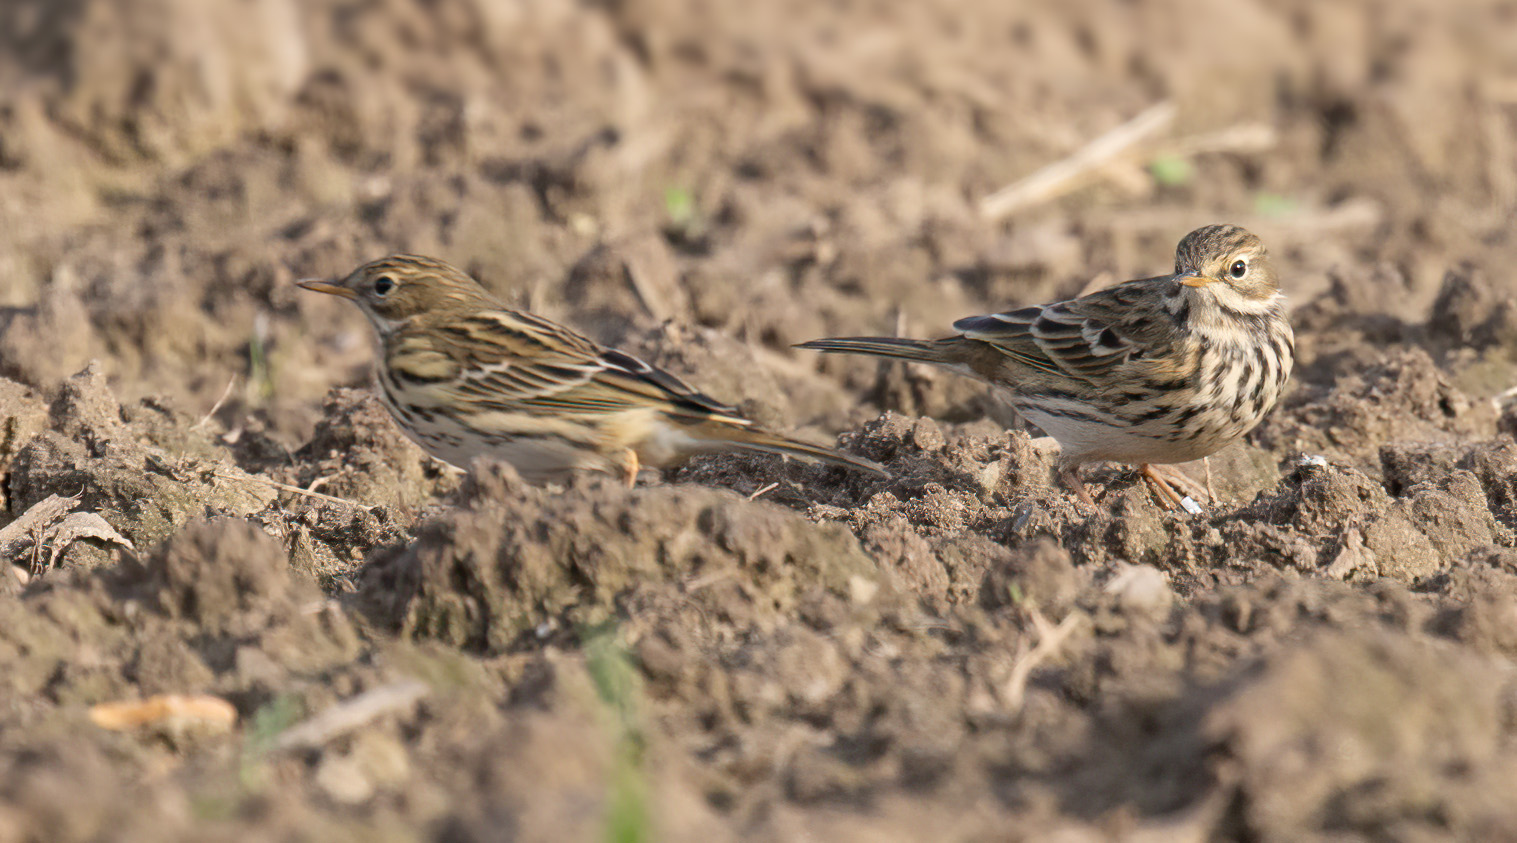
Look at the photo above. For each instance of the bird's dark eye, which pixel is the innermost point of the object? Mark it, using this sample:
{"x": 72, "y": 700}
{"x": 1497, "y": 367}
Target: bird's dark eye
{"x": 383, "y": 284}
{"x": 1239, "y": 268}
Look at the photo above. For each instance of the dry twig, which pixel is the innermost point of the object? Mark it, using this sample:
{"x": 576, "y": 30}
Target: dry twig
{"x": 1244, "y": 137}
{"x": 1112, "y": 156}
{"x": 286, "y": 487}
{"x": 1050, "y": 639}
{"x": 1060, "y": 177}
{"x": 351, "y": 714}
{"x": 206, "y": 419}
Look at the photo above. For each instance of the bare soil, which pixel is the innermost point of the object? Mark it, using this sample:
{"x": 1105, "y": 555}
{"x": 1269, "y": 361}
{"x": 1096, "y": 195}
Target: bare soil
{"x": 750, "y": 648}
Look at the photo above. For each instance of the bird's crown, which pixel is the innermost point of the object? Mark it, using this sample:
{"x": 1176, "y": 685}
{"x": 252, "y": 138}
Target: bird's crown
{"x": 395, "y": 289}
{"x": 1228, "y": 255}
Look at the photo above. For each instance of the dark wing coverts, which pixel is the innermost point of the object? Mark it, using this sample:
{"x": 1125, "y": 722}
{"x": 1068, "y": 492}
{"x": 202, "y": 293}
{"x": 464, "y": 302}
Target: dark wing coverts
{"x": 514, "y": 360}
{"x": 1083, "y": 338}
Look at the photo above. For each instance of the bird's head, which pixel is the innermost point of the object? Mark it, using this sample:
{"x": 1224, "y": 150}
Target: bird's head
{"x": 1229, "y": 266}
{"x": 394, "y": 290}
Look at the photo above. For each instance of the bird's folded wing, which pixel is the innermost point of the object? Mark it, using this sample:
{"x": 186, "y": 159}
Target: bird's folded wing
{"x": 1083, "y": 338}
{"x": 627, "y": 373}
{"x": 519, "y": 361}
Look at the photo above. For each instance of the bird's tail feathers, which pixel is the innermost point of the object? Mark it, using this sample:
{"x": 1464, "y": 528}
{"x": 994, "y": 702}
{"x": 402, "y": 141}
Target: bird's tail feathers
{"x": 923, "y": 351}
{"x": 725, "y": 436}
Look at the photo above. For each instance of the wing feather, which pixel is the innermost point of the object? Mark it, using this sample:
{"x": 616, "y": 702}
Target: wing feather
{"x": 516, "y": 361}
{"x": 1085, "y": 338}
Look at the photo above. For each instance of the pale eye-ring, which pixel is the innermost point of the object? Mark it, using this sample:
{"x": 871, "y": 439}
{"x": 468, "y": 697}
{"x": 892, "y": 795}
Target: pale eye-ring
{"x": 1239, "y": 268}
{"x": 383, "y": 284}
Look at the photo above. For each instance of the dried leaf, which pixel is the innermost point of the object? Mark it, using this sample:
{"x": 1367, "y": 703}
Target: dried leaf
{"x": 52, "y": 523}
{"x": 25, "y": 530}
{"x": 172, "y": 710}
{"x": 81, "y": 525}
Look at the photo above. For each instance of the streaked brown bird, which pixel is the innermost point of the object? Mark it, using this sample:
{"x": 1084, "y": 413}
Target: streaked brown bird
{"x": 466, "y": 376}
{"x": 1151, "y": 372}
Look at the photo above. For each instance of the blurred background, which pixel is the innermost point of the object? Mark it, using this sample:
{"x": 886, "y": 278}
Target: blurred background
{"x": 710, "y": 182}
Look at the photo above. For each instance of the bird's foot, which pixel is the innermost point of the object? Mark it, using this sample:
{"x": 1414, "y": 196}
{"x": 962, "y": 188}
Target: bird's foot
{"x": 1069, "y": 475}
{"x": 631, "y": 466}
{"x": 1163, "y": 479}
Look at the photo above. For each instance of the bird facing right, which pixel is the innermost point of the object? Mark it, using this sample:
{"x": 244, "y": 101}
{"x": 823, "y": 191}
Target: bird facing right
{"x": 1150, "y": 372}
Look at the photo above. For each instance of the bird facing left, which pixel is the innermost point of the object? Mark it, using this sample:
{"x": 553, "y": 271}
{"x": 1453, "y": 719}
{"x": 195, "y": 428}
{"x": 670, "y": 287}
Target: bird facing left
{"x": 466, "y": 376}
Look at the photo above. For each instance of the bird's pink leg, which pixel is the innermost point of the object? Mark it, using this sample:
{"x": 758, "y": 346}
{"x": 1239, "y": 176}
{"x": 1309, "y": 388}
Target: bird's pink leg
{"x": 1164, "y": 479}
{"x": 1069, "y": 475}
{"x": 631, "y": 465}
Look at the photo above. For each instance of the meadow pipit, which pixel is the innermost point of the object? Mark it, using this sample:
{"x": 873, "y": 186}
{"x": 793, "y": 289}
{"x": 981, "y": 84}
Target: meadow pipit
{"x": 1158, "y": 371}
{"x": 466, "y": 376}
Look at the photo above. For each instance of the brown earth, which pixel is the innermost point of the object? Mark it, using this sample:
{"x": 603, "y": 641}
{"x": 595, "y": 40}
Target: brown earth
{"x": 750, "y": 648}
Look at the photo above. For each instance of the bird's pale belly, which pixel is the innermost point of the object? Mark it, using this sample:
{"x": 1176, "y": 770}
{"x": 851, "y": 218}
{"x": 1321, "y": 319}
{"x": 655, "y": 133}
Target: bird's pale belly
{"x": 537, "y": 460}
{"x": 1087, "y": 439}
{"x": 1180, "y": 427}
{"x": 537, "y": 457}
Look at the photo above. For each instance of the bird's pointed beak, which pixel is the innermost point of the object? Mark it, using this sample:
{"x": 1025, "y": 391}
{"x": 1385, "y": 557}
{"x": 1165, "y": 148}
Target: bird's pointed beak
{"x": 1194, "y": 280}
{"x": 322, "y": 285}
